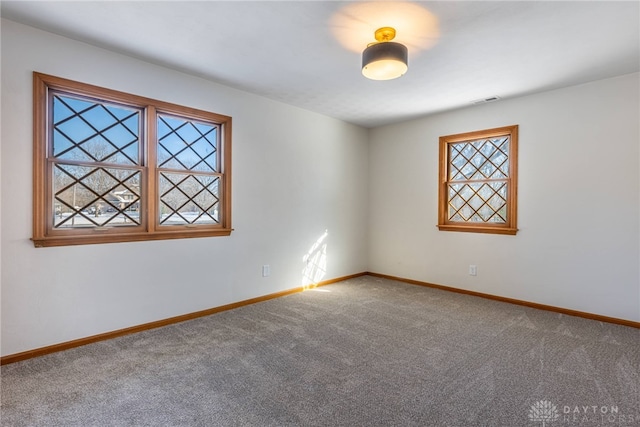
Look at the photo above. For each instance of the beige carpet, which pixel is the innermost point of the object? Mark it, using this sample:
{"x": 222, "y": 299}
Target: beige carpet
{"x": 364, "y": 352}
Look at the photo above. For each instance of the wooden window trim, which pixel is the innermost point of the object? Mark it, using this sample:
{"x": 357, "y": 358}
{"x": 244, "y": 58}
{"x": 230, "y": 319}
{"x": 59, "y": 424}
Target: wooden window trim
{"x": 44, "y": 236}
{"x": 508, "y": 228}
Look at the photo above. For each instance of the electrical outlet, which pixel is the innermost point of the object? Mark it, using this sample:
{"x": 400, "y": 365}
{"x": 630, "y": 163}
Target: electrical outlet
{"x": 473, "y": 270}
{"x": 266, "y": 270}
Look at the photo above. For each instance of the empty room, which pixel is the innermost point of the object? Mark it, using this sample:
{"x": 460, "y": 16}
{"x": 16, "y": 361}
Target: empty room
{"x": 320, "y": 213}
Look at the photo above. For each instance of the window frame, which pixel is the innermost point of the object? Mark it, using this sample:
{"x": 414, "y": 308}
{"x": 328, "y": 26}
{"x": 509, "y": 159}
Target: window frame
{"x": 44, "y": 234}
{"x": 510, "y": 226}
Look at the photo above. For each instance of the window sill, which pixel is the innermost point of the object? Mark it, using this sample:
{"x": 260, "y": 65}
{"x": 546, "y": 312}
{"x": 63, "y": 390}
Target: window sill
{"x": 50, "y": 241}
{"x": 478, "y": 229}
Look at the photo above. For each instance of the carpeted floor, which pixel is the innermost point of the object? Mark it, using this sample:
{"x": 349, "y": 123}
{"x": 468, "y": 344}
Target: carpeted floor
{"x": 363, "y": 352}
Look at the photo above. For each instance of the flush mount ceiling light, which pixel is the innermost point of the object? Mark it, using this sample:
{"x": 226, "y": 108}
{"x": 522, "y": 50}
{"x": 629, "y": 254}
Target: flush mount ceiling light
{"x": 384, "y": 60}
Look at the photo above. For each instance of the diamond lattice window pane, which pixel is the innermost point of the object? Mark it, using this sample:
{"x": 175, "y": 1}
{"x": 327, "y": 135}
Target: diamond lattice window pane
{"x": 453, "y": 213}
{"x": 457, "y": 202}
{"x": 187, "y": 159}
{"x": 498, "y": 158}
{"x": 477, "y": 175}
{"x": 454, "y": 150}
{"x": 486, "y": 213}
{"x": 502, "y": 144}
{"x": 488, "y": 170}
{"x": 163, "y": 155}
{"x": 172, "y": 144}
{"x": 171, "y": 195}
{"x": 501, "y": 188}
{"x": 468, "y": 170}
{"x": 189, "y": 199}
{"x": 501, "y": 215}
{"x": 476, "y": 202}
{"x": 487, "y": 149}
{"x": 76, "y": 130}
{"x": 466, "y": 193}
{"x": 62, "y": 145}
{"x": 467, "y": 150}
{"x": 458, "y": 161}
{"x": 486, "y": 192}
{"x": 456, "y": 175}
{"x": 497, "y": 202}
{"x": 99, "y": 117}
{"x": 187, "y": 145}
{"x": 455, "y": 189}
{"x": 94, "y": 196}
{"x": 503, "y": 171}
{"x": 100, "y": 181}
{"x": 95, "y": 132}
{"x": 74, "y": 172}
{"x": 172, "y": 163}
{"x": 187, "y": 132}
{"x": 478, "y": 161}
{"x": 71, "y": 196}
{"x": 207, "y": 152}
{"x": 501, "y": 161}
{"x": 61, "y": 111}
{"x": 62, "y": 178}
{"x": 476, "y": 218}
{"x": 466, "y": 212}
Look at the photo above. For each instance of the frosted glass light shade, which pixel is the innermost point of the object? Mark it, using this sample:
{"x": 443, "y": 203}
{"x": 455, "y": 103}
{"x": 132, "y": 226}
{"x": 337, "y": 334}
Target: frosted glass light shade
{"x": 384, "y": 61}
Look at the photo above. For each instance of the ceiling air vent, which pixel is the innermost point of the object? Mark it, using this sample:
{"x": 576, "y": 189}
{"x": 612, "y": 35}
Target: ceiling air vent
{"x": 485, "y": 100}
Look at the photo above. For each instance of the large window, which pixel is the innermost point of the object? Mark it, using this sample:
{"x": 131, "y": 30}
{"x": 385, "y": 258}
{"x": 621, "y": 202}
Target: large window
{"x": 115, "y": 167}
{"x": 478, "y": 181}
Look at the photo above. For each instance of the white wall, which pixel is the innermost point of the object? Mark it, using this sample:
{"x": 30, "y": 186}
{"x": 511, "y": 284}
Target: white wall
{"x": 295, "y": 175}
{"x": 578, "y": 201}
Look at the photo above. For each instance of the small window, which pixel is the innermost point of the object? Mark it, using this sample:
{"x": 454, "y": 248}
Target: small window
{"x": 478, "y": 181}
{"x": 114, "y": 167}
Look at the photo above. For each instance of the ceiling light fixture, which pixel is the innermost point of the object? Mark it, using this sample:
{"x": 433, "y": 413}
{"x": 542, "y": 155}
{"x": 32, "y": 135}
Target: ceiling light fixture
{"x": 384, "y": 60}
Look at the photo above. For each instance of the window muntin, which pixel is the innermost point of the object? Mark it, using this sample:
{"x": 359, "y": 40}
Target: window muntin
{"x": 95, "y": 131}
{"x": 478, "y": 181}
{"x": 113, "y": 167}
{"x": 188, "y": 199}
{"x": 95, "y": 196}
{"x": 189, "y": 179}
{"x": 96, "y": 163}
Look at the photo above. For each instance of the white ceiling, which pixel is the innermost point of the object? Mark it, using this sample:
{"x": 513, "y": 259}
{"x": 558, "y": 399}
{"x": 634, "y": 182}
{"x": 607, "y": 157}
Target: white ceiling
{"x": 308, "y": 53}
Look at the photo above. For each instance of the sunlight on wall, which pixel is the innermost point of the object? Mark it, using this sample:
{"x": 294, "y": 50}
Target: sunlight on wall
{"x": 315, "y": 263}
